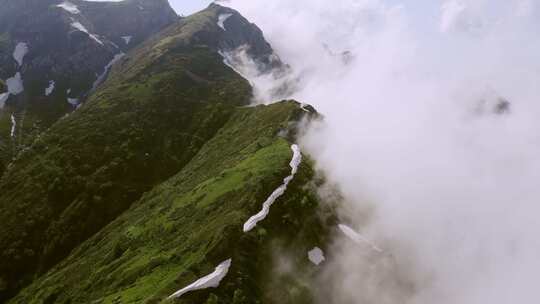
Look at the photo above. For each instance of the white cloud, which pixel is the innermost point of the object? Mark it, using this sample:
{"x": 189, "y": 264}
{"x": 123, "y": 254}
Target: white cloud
{"x": 453, "y": 15}
{"x": 411, "y": 136}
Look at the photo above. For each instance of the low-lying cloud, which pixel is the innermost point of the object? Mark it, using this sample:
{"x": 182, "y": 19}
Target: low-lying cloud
{"x": 432, "y": 112}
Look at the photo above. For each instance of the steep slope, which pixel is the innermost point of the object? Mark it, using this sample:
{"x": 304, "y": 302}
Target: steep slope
{"x": 61, "y": 50}
{"x": 186, "y": 226}
{"x": 162, "y": 103}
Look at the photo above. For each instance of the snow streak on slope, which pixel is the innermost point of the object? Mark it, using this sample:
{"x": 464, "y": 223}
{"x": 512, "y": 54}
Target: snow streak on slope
{"x": 50, "y": 88}
{"x": 13, "y": 125}
{"x": 356, "y": 237}
{"x": 3, "y": 98}
{"x": 210, "y": 281}
{"x": 221, "y": 20}
{"x": 295, "y": 162}
{"x": 101, "y": 78}
{"x": 78, "y": 26}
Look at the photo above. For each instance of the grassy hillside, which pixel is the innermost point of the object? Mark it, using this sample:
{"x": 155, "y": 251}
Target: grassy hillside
{"x": 146, "y": 186}
{"x": 88, "y": 168}
{"x": 186, "y": 226}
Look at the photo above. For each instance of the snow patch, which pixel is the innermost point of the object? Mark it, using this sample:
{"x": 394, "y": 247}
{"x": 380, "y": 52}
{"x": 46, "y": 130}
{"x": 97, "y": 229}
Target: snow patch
{"x": 228, "y": 61}
{"x": 357, "y": 238}
{"x": 295, "y": 162}
{"x": 127, "y": 39}
{"x": 78, "y": 26}
{"x": 69, "y": 7}
{"x": 3, "y": 98}
{"x": 221, "y": 20}
{"x": 210, "y": 281}
{"x": 101, "y": 78}
{"x": 20, "y": 51}
{"x": 15, "y": 84}
{"x": 50, "y": 88}
{"x": 316, "y": 256}
{"x": 13, "y": 125}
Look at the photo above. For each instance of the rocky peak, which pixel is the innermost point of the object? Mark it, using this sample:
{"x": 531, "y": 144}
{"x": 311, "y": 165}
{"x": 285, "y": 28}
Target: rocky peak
{"x": 237, "y": 31}
{"x": 222, "y": 29}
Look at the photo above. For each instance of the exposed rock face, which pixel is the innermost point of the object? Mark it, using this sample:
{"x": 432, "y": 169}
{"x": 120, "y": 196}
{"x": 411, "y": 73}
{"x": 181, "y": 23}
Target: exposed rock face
{"x": 238, "y": 31}
{"x": 72, "y": 46}
{"x": 224, "y": 29}
{"x": 137, "y": 19}
{"x": 70, "y": 43}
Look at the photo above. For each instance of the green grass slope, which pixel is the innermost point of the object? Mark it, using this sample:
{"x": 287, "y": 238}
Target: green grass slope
{"x": 186, "y": 226}
{"x": 139, "y": 130}
{"x": 170, "y": 118}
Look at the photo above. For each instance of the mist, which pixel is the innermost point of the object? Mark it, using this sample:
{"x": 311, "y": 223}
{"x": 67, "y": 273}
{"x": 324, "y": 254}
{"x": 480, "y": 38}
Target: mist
{"x": 431, "y": 135}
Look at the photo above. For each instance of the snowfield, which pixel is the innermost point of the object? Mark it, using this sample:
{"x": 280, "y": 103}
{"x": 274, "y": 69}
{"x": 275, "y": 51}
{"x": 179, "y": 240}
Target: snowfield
{"x": 295, "y": 162}
{"x": 20, "y": 51}
{"x": 210, "y": 281}
{"x": 221, "y": 20}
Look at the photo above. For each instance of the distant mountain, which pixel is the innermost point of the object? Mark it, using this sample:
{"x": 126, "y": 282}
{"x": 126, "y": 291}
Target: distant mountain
{"x": 53, "y": 53}
{"x": 147, "y": 186}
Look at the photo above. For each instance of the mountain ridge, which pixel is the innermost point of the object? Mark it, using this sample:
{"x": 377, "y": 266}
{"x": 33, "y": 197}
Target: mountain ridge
{"x": 163, "y": 102}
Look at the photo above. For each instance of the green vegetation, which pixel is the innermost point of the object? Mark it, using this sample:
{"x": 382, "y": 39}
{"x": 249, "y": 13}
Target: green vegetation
{"x": 88, "y": 168}
{"x": 184, "y": 227}
{"x": 4, "y": 43}
{"x": 146, "y": 187}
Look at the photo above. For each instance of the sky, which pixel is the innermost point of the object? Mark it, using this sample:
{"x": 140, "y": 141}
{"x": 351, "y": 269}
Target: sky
{"x": 184, "y": 7}
{"x": 187, "y": 7}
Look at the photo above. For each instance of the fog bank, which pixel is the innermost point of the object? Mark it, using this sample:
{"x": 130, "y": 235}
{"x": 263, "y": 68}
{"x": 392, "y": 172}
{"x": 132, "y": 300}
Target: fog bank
{"x": 431, "y": 133}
